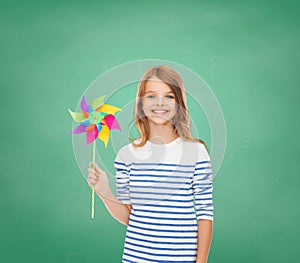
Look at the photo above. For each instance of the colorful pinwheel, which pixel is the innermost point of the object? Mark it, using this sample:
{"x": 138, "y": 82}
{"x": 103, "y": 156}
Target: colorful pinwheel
{"x": 97, "y": 120}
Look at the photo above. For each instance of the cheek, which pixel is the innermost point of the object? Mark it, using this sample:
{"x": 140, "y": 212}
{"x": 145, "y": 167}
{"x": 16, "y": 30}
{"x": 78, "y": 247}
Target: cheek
{"x": 173, "y": 106}
{"x": 147, "y": 105}
{"x": 145, "y": 109}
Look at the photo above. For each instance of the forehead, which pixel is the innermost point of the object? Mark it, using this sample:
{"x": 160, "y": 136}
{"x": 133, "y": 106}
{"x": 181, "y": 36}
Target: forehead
{"x": 156, "y": 85}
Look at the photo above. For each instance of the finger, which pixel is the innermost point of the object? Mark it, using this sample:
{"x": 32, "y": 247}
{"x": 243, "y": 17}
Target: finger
{"x": 92, "y": 180}
{"x": 97, "y": 168}
{"x": 93, "y": 171}
{"x": 93, "y": 177}
{"x": 90, "y": 183}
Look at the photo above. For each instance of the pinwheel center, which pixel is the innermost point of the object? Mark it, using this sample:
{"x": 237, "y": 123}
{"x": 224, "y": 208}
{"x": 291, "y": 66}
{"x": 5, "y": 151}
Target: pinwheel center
{"x": 95, "y": 117}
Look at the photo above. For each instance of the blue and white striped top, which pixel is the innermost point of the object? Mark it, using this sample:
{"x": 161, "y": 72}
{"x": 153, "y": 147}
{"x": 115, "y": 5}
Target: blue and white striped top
{"x": 170, "y": 188}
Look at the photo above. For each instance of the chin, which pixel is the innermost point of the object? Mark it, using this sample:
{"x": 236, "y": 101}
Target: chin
{"x": 159, "y": 121}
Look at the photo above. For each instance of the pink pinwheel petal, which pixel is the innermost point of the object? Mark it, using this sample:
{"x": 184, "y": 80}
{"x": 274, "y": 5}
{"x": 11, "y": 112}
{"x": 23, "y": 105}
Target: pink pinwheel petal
{"x": 91, "y": 136}
{"x": 112, "y": 122}
{"x": 84, "y": 105}
{"x": 79, "y": 129}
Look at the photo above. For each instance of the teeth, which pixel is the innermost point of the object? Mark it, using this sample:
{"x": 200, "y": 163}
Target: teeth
{"x": 159, "y": 111}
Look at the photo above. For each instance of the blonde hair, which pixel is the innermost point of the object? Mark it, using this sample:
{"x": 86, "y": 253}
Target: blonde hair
{"x": 181, "y": 120}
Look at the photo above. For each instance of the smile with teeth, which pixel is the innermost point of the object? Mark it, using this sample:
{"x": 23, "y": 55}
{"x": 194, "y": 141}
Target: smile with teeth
{"x": 160, "y": 112}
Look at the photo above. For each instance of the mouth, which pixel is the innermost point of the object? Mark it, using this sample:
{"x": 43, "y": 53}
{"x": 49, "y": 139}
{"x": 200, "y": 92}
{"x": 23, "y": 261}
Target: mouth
{"x": 159, "y": 112}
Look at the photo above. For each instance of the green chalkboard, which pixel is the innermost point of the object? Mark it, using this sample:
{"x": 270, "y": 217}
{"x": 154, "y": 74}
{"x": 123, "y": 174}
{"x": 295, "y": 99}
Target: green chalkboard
{"x": 246, "y": 52}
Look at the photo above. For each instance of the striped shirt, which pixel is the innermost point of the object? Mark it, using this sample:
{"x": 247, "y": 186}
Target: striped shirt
{"x": 169, "y": 187}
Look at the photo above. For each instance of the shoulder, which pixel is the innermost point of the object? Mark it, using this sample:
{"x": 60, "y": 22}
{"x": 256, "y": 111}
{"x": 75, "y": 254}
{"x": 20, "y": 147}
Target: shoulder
{"x": 122, "y": 153}
{"x": 200, "y": 147}
{"x": 200, "y": 144}
{"x": 203, "y": 153}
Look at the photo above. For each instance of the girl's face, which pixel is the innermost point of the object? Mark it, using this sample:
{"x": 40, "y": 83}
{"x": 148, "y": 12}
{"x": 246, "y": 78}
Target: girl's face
{"x": 159, "y": 102}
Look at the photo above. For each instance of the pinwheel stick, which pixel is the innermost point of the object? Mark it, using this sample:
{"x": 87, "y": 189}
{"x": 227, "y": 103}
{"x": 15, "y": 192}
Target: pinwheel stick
{"x": 96, "y": 119}
{"x": 93, "y": 188}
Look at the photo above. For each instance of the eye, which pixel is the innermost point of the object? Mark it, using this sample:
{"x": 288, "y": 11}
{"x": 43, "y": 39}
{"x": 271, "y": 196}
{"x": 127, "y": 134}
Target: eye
{"x": 170, "y": 96}
{"x": 150, "y": 96}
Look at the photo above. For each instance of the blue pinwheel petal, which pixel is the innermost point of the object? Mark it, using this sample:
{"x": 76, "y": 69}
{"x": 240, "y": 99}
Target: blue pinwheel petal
{"x": 84, "y": 105}
{"x": 99, "y": 127}
{"x": 90, "y": 109}
{"x": 86, "y": 123}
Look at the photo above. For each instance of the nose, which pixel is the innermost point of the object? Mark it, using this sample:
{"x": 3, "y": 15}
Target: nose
{"x": 159, "y": 100}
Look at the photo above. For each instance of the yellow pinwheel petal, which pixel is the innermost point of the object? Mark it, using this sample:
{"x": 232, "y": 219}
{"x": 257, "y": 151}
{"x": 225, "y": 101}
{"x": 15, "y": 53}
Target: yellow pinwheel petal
{"x": 104, "y": 134}
{"x": 109, "y": 109}
{"x": 77, "y": 116}
{"x": 96, "y": 103}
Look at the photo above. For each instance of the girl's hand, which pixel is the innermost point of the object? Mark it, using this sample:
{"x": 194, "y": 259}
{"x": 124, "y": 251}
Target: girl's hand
{"x": 97, "y": 177}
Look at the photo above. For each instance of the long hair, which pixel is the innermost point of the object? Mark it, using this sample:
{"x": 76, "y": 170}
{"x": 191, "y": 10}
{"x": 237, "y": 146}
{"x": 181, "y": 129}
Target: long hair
{"x": 181, "y": 120}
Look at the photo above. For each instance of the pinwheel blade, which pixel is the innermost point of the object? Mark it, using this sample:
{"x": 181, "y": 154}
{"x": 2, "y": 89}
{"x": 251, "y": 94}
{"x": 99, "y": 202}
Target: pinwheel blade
{"x": 109, "y": 109}
{"x": 91, "y": 133}
{"x": 85, "y": 114}
{"x": 104, "y": 134}
{"x": 79, "y": 129}
{"x": 86, "y": 123}
{"x": 77, "y": 116}
{"x": 85, "y": 106}
{"x": 91, "y": 128}
{"x": 99, "y": 126}
{"x": 112, "y": 122}
{"x": 96, "y": 103}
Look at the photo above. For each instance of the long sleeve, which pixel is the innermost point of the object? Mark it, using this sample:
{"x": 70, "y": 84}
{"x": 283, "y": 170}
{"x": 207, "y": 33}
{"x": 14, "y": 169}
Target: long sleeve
{"x": 202, "y": 185}
{"x": 122, "y": 180}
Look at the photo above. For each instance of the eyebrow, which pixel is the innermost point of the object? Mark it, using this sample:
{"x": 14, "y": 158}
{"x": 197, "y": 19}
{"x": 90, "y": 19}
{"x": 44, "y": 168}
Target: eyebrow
{"x": 150, "y": 91}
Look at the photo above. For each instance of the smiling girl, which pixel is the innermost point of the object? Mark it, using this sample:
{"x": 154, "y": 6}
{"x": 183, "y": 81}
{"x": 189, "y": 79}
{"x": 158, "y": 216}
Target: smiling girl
{"x": 164, "y": 178}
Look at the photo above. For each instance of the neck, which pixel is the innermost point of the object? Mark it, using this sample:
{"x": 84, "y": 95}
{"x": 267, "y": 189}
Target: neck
{"x": 162, "y": 134}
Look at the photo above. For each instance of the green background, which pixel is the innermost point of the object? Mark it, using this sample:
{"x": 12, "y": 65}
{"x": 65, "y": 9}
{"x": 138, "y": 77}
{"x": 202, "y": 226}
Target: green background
{"x": 52, "y": 50}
